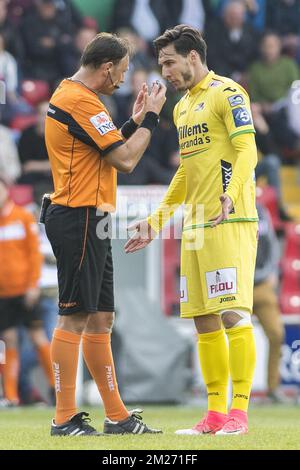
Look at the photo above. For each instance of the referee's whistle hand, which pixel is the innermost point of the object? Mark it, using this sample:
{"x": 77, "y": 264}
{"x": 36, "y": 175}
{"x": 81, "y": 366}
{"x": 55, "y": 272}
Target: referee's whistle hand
{"x": 157, "y": 98}
{"x": 226, "y": 205}
{"x": 142, "y": 236}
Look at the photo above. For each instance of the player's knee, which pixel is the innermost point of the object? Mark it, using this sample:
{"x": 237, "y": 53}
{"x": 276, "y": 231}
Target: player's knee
{"x": 207, "y": 323}
{"x": 73, "y": 323}
{"x": 10, "y": 338}
{"x": 109, "y": 322}
{"x": 235, "y": 317}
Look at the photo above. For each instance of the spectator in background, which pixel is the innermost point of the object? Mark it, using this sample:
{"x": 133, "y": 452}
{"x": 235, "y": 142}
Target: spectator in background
{"x": 157, "y": 164}
{"x": 9, "y": 75}
{"x": 18, "y": 9}
{"x": 20, "y": 269}
{"x": 146, "y": 17}
{"x": 84, "y": 35}
{"x": 33, "y": 153}
{"x": 232, "y": 43}
{"x": 256, "y": 11}
{"x": 8, "y": 71}
{"x": 10, "y": 33}
{"x": 140, "y": 57}
{"x": 270, "y": 163}
{"x": 189, "y": 12}
{"x": 10, "y": 167}
{"x": 266, "y": 306}
{"x": 270, "y": 79}
{"x": 47, "y": 37}
{"x": 282, "y": 16}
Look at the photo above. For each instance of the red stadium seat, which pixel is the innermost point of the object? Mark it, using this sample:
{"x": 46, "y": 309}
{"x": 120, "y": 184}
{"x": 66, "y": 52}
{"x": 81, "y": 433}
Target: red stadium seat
{"x": 290, "y": 302}
{"x": 35, "y": 91}
{"x": 267, "y": 197}
{"x": 290, "y": 274}
{"x": 21, "y": 194}
{"x": 292, "y": 240}
{"x": 21, "y": 122}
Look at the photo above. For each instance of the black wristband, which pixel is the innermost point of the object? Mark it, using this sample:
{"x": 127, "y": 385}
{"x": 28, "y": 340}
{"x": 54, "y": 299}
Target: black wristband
{"x": 129, "y": 128}
{"x": 150, "y": 121}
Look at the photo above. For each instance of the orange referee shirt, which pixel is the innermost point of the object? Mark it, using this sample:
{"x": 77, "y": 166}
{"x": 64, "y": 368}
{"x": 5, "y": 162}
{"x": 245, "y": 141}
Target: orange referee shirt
{"x": 20, "y": 256}
{"x": 79, "y": 133}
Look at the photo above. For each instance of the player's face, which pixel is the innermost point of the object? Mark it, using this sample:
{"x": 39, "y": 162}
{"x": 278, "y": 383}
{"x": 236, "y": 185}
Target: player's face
{"x": 176, "y": 68}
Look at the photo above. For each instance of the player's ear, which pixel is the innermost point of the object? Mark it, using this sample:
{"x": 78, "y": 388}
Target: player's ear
{"x": 193, "y": 56}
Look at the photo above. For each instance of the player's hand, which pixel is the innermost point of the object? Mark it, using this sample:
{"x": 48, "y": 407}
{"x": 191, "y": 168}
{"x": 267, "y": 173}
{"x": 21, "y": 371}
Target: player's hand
{"x": 31, "y": 297}
{"x": 226, "y": 204}
{"x": 139, "y": 107}
{"x": 143, "y": 235}
{"x": 157, "y": 98}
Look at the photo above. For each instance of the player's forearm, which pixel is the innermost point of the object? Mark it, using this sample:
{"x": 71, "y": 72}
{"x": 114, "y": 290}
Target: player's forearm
{"x": 246, "y": 161}
{"x": 174, "y": 197}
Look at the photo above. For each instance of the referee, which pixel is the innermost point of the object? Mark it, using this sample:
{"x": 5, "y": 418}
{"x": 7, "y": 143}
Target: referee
{"x": 85, "y": 151}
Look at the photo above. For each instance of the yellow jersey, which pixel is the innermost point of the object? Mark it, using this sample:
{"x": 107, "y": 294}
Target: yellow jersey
{"x": 216, "y": 155}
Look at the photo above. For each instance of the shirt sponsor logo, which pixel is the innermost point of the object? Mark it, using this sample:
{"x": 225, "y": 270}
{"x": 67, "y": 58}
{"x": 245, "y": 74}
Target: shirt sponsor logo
{"x": 221, "y": 282}
{"x": 236, "y": 100}
{"x": 183, "y": 289}
{"x": 215, "y": 83}
{"x": 189, "y": 131}
{"x": 102, "y": 123}
{"x": 199, "y": 107}
{"x": 241, "y": 117}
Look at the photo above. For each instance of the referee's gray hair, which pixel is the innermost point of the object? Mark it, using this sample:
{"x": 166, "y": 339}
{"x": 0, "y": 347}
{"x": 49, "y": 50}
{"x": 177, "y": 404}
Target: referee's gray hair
{"x": 105, "y": 47}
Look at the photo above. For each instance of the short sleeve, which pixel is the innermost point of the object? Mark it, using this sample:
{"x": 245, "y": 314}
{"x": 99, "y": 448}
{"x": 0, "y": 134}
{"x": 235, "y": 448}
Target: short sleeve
{"x": 233, "y": 107}
{"x": 93, "y": 122}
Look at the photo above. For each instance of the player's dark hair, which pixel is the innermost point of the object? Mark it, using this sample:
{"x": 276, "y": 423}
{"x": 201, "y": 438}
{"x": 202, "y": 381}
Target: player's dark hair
{"x": 105, "y": 47}
{"x": 185, "y": 39}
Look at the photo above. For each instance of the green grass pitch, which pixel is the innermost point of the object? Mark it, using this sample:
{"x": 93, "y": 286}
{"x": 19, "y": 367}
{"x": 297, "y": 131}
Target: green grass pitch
{"x": 273, "y": 427}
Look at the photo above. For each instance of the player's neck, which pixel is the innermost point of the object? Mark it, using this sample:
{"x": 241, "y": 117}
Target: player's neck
{"x": 200, "y": 74}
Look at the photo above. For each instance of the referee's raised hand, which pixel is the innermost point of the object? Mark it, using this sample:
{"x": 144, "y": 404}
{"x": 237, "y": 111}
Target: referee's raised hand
{"x": 157, "y": 97}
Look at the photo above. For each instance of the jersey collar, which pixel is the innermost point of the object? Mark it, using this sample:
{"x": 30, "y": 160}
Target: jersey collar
{"x": 203, "y": 84}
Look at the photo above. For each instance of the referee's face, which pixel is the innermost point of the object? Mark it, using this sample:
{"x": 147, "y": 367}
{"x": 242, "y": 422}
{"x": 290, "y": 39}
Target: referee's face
{"x": 115, "y": 76}
{"x": 177, "y": 69}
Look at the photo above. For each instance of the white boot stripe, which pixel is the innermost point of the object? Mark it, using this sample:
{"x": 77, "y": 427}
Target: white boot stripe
{"x": 141, "y": 430}
{"x": 136, "y": 428}
{"x": 74, "y": 432}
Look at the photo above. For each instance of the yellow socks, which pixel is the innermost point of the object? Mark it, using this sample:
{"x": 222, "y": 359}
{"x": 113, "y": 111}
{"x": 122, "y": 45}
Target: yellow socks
{"x": 242, "y": 360}
{"x": 214, "y": 361}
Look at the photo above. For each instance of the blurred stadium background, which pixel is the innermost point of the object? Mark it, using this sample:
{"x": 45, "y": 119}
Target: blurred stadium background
{"x": 257, "y": 43}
